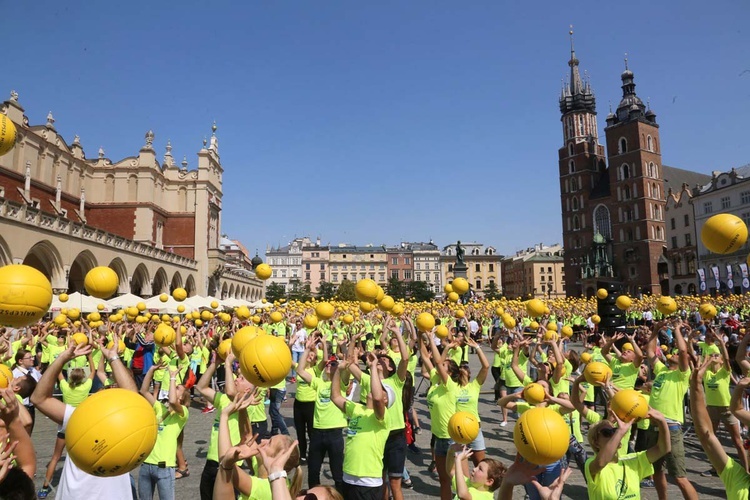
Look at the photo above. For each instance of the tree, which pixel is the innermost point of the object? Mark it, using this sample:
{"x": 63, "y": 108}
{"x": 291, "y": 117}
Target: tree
{"x": 396, "y": 288}
{"x": 346, "y": 291}
{"x": 299, "y": 291}
{"x": 274, "y": 292}
{"x": 491, "y": 292}
{"x": 326, "y": 291}
{"x": 420, "y": 291}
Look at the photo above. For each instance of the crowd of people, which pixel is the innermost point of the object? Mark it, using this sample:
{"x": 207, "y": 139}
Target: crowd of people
{"x": 354, "y": 388}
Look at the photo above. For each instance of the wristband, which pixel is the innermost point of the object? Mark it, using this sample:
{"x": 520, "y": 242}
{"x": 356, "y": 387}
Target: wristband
{"x": 114, "y": 358}
{"x": 276, "y": 475}
{"x": 224, "y": 468}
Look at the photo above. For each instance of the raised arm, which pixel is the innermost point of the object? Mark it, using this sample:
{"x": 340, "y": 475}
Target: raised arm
{"x": 736, "y": 406}
{"x": 301, "y": 371}
{"x": 485, "y": 368}
{"x": 230, "y": 389}
{"x": 10, "y": 414}
{"x": 577, "y": 396}
{"x": 376, "y": 387}
{"x": 608, "y": 346}
{"x": 741, "y": 356}
{"x": 702, "y": 422}
{"x": 42, "y": 397}
{"x": 664, "y": 444}
{"x": 146, "y": 385}
{"x": 608, "y": 451}
{"x": 202, "y": 385}
{"x": 174, "y": 404}
{"x": 682, "y": 346}
{"x": 514, "y": 363}
{"x": 336, "y": 397}
{"x": 403, "y": 365}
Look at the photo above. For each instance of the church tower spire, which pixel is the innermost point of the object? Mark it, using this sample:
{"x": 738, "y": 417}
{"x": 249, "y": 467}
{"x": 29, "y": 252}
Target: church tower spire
{"x": 576, "y": 95}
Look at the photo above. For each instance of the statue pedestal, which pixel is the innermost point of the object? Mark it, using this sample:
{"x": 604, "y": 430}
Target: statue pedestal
{"x": 460, "y": 270}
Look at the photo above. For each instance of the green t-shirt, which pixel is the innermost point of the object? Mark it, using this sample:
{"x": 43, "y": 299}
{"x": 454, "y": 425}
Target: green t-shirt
{"x": 394, "y": 416}
{"x": 708, "y": 349}
{"x": 170, "y": 426}
{"x": 467, "y": 398}
{"x": 476, "y": 494}
{"x": 716, "y": 386}
{"x": 74, "y": 396}
{"x": 620, "y": 480}
{"x": 220, "y": 401}
{"x": 257, "y": 413}
{"x": 644, "y": 422}
{"x": 668, "y": 391}
{"x": 596, "y": 355}
{"x": 441, "y": 401}
{"x": 365, "y": 442}
{"x": 623, "y": 374}
{"x": 593, "y": 418}
{"x": 497, "y": 361}
{"x": 736, "y": 481}
{"x": 327, "y": 415}
{"x": 305, "y": 393}
{"x": 511, "y": 380}
{"x": 573, "y": 419}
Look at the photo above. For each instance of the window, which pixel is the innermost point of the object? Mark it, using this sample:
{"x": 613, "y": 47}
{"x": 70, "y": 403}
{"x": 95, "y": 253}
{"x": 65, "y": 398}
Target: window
{"x": 419, "y": 266}
{"x": 436, "y": 267}
{"x": 672, "y": 223}
{"x": 725, "y": 202}
{"x": 307, "y": 276}
{"x": 625, "y": 171}
{"x": 372, "y": 267}
{"x": 322, "y": 276}
{"x": 690, "y": 263}
{"x": 322, "y": 267}
{"x": 407, "y": 260}
{"x": 622, "y": 145}
{"x": 575, "y": 204}
{"x": 492, "y": 268}
{"x": 688, "y": 239}
{"x": 335, "y": 277}
{"x": 626, "y": 193}
{"x": 572, "y": 167}
{"x": 541, "y": 278}
{"x": 632, "y": 272}
{"x": 687, "y": 220}
{"x": 427, "y": 277}
{"x": 372, "y": 276}
{"x": 745, "y": 197}
{"x": 307, "y": 266}
{"x": 576, "y": 223}
{"x": 549, "y": 270}
{"x": 601, "y": 221}
{"x": 659, "y": 233}
{"x": 418, "y": 276}
{"x": 394, "y": 261}
{"x": 477, "y": 268}
{"x": 573, "y": 184}
{"x": 649, "y": 144}
{"x": 674, "y": 241}
{"x": 407, "y": 275}
{"x": 708, "y": 207}
{"x": 479, "y": 285}
{"x": 362, "y": 267}
{"x": 382, "y": 276}
{"x": 745, "y": 218}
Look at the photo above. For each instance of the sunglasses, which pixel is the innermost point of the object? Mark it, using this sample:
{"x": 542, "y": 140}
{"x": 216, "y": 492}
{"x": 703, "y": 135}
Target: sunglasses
{"x": 607, "y": 432}
{"x": 304, "y": 495}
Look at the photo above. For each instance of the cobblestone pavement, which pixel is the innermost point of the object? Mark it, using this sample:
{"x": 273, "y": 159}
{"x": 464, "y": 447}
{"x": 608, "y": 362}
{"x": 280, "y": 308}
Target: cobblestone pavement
{"x": 499, "y": 445}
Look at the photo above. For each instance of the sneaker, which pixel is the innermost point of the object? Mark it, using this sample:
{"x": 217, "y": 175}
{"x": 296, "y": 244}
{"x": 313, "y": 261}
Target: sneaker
{"x": 208, "y": 409}
{"x": 503, "y": 424}
{"x": 406, "y": 483}
{"x": 709, "y": 473}
{"x": 303, "y": 460}
{"x": 44, "y": 491}
{"x": 432, "y": 469}
{"x": 414, "y": 448}
{"x": 647, "y": 483}
{"x": 418, "y": 430}
{"x": 293, "y": 380}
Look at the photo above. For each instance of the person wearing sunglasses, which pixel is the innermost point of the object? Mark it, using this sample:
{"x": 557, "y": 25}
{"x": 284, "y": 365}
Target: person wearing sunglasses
{"x": 611, "y": 477}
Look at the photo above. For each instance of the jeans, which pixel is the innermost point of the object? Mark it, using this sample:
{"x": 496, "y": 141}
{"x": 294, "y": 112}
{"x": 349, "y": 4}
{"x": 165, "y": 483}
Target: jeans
{"x": 304, "y": 415}
{"x": 551, "y": 472}
{"x": 208, "y": 477}
{"x": 152, "y": 476}
{"x": 278, "y": 426}
{"x": 322, "y": 441}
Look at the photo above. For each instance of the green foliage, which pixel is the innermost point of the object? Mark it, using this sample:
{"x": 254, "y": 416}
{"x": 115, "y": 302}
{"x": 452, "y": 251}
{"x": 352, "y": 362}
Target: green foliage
{"x": 396, "y": 288}
{"x": 326, "y": 291}
{"x": 299, "y": 291}
{"x": 274, "y": 292}
{"x": 346, "y": 291}
{"x": 491, "y": 292}
{"x": 419, "y": 291}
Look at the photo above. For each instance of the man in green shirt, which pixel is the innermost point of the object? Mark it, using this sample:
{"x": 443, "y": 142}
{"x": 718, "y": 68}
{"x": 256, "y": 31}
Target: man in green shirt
{"x": 667, "y": 394}
{"x": 626, "y": 363}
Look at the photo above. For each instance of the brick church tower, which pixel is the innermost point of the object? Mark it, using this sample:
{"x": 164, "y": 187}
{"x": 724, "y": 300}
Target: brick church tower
{"x": 613, "y": 206}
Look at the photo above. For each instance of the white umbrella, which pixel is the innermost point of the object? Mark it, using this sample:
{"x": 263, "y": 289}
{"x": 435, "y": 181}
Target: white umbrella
{"x": 232, "y": 302}
{"x": 258, "y": 304}
{"x": 83, "y": 303}
{"x": 155, "y": 305}
{"x": 126, "y": 300}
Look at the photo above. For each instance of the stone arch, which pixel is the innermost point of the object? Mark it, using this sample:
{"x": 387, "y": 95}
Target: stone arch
{"x": 118, "y": 266}
{"x": 140, "y": 283}
{"x": 44, "y": 257}
{"x": 82, "y": 264}
{"x": 190, "y": 286}
{"x": 160, "y": 283}
{"x": 224, "y": 291}
{"x": 6, "y": 257}
{"x": 231, "y": 290}
{"x": 176, "y": 281}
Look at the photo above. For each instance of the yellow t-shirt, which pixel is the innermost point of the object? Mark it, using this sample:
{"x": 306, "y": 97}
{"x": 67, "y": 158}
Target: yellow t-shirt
{"x": 327, "y": 415}
{"x": 736, "y": 481}
{"x": 441, "y": 401}
{"x": 668, "y": 391}
{"x": 170, "y": 426}
{"x": 467, "y": 398}
{"x": 365, "y": 442}
{"x": 623, "y": 374}
{"x": 74, "y": 396}
{"x": 475, "y": 493}
{"x": 620, "y": 480}
{"x": 305, "y": 393}
{"x": 716, "y": 386}
{"x": 257, "y": 413}
{"x": 394, "y": 416}
{"x": 220, "y": 401}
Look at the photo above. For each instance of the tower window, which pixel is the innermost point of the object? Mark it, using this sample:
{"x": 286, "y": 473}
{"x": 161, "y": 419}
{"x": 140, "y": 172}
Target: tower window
{"x": 602, "y": 222}
{"x": 571, "y": 167}
{"x": 575, "y": 204}
{"x": 626, "y": 193}
{"x": 626, "y": 171}
{"x": 649, "y": 144}
{"x": 570, "y": 149}
{"x": 576, "y": 223}
{"x": 573, "y": 184}
{"x": 622, "y": 145}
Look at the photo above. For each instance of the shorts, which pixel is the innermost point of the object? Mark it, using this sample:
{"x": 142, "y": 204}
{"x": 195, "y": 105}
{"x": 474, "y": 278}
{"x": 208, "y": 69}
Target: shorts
{"x": 478, "y": 443}
{"x": 641, "y": 440}
{"x": 441, "y": 446}
{"x": 723, "y": 415}
{"x": 513, "y": 389}
{"x": 354, "y": 492}
{"x": 675, "y": 460}
{"x": 394, "y": 454}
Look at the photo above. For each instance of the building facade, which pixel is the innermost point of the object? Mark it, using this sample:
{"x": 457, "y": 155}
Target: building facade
{"x": 726, "y": 192}
{"x": 427, "y": 265}
{"x": 682, "y": 250}
{"x": 286, "y": 262}
{"x": 315, "y": 265}
{"x": 157, "y": 224}
{"x": 483, "y": 265}
{"x": 353, "y": 263}
{"x": 612, "y": 206}
{"x": 535, "y": 272}
{"x": 400, "y": 262}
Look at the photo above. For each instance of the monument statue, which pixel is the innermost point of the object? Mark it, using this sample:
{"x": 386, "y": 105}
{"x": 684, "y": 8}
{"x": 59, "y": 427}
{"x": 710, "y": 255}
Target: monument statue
{"x": 459, "y": 253}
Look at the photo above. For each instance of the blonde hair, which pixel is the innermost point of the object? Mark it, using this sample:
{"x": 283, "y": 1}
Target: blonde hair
{"x": 76, "y": 377}
{"x": 593, "y": 435}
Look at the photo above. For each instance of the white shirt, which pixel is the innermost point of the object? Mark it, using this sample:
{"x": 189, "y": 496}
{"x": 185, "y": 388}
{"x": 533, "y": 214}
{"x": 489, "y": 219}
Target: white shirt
{"x": 648, "y": 316}
{"x": 473, "y": 326}
{"x": 76, "y": 484}
{"x": 299, "y": 344}
{"x": 21, "y": 372}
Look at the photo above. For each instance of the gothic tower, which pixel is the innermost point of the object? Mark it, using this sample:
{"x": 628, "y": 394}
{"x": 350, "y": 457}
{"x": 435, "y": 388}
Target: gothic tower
{"x": 583, "y": 172}
{"x": 637, "y": 189}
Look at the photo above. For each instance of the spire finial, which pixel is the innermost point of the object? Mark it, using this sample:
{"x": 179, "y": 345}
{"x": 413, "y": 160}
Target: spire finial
{"x": 169, "y": 147}
{"x": 610, "y": 106}
{"x": 572, "y": 49}
{"x": 213, "y": 128}
{"x": 184, "y": 162}
{"x": 101, "y": 152}
{"x": 648, "y": 103}
{"x": 149, "y": 140}
{"x": 205, "y": 141}
{"x": 626, "y": 60}
{"x": 50, "y": 120}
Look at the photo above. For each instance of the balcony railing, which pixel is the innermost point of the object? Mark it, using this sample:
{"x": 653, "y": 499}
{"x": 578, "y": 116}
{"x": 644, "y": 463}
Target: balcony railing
{"x": 31, "y": 216}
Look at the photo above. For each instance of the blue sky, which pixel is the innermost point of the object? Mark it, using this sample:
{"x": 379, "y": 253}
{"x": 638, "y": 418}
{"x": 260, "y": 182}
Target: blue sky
{"x": 376, "y": 122}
